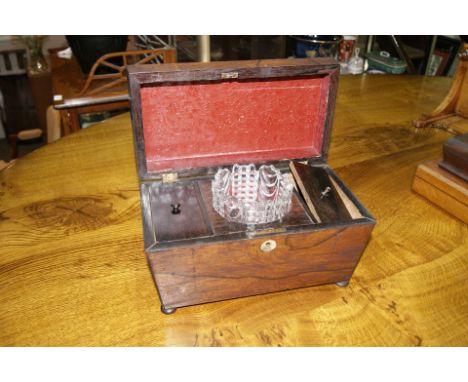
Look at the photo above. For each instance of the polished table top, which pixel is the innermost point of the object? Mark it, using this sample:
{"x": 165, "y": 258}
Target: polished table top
{"x": 73, "y": 270}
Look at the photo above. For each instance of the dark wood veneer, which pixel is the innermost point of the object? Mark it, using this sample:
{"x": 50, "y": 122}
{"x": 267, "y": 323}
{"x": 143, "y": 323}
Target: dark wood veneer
{"x": 320, "y": 193}
{"x": 230, "y": 269}
{"x": 456, "y": 156}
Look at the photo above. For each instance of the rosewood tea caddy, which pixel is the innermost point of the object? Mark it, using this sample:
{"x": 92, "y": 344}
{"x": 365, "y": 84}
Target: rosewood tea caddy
{"x": 191, "y": 119}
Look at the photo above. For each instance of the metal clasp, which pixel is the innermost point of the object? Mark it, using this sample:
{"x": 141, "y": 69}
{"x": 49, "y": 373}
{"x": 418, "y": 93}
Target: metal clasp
{"x": 230, "y": 75}
{"x": 169, "y": 177}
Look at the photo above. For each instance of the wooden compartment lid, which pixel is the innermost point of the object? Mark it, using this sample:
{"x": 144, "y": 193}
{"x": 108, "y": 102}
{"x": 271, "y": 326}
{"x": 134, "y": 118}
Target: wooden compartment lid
{"x": 202, "y": 115}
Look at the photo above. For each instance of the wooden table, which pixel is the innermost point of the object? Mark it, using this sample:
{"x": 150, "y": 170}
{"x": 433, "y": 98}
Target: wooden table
{"x": 73, "y": 271}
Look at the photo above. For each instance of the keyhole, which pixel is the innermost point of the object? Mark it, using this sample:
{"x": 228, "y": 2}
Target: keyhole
{"x": 268, "y": 246}
{"x": 175, "y": 209}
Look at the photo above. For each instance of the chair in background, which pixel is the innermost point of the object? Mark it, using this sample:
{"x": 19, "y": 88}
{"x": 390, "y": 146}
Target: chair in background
{"x": 103, "y": 90}
{"x": 138, "y": 57}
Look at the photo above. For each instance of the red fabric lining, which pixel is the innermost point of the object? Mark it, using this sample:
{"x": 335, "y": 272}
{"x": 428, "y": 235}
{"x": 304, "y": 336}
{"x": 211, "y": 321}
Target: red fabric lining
{"x": 209, "y": 124}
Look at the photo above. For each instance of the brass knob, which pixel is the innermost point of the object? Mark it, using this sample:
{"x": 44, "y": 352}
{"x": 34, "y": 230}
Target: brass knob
{"x": 268, "y": 246}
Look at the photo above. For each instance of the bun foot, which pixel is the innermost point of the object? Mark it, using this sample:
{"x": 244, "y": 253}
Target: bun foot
{"x": 342, "y": 284}
{"x": 167, "y": 310}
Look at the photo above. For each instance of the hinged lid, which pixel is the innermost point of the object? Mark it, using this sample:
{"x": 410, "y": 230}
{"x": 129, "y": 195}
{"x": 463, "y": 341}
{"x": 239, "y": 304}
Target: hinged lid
{"x": 195, "y": 117}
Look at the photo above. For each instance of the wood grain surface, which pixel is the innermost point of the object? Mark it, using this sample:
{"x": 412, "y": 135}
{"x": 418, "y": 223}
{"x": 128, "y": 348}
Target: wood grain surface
{"x": 444, "y": 189}
{"x": 73, "y": 270}
{"x": 237, "y": 268}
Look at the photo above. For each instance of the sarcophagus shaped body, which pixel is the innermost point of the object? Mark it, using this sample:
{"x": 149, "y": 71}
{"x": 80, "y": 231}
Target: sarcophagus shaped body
{"x": 189, "y": 120}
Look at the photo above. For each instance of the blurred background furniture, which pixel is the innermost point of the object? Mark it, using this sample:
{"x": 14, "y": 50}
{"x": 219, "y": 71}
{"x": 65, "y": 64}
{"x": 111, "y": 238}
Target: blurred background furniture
{"x": 3, "y": 165}
{"x": 82, "y": 100}
{"x": 88, "y": 49}
{"x": 23, "y": 100}
{"x": 445, "y": 182}
{"x": 452, "y": 112}
{"x": 429, "y": 55}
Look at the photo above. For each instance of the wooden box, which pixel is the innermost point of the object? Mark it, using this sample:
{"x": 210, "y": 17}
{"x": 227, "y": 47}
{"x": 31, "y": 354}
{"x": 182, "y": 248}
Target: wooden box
{"x": 191, "y": 119}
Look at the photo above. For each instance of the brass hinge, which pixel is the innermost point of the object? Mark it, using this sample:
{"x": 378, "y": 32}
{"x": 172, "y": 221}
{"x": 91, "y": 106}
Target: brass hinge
{"x": 169, "y": 177}
{"x": 227, "y": 75}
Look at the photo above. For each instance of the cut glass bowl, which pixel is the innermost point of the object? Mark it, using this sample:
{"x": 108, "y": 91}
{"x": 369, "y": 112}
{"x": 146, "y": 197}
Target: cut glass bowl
{"x": 250, "y": 196}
